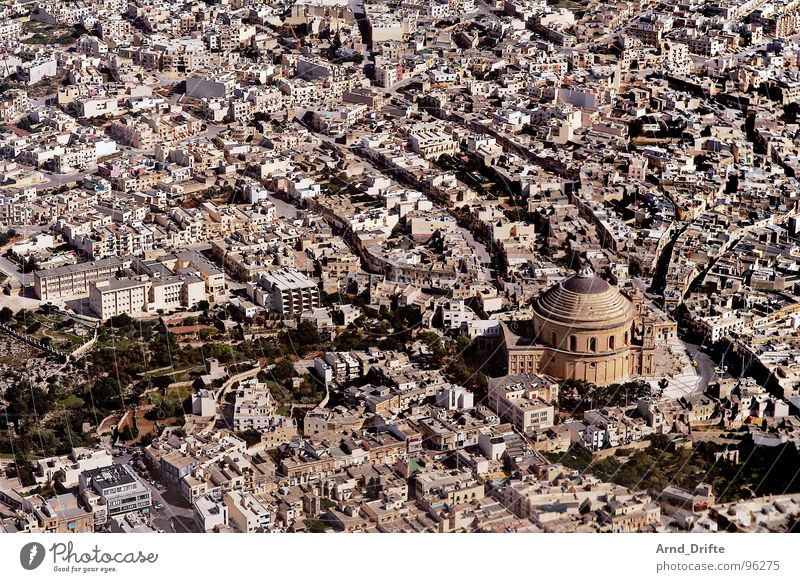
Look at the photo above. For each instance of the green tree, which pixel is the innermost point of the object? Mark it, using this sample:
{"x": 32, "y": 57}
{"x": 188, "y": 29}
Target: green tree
{"x": 284, "y": 370}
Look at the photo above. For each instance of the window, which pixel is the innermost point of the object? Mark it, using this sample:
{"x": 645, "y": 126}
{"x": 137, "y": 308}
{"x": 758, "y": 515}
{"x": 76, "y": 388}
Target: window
{"x": 625, "y": 339}
{"x": 573, "y": 343}
{"x": 612, "y": 342}
{"x": 592, "y": 344}
{"x": 554, "y": 339}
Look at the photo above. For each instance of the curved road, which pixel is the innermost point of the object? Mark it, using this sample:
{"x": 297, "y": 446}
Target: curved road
{"x": 706, "y": 366}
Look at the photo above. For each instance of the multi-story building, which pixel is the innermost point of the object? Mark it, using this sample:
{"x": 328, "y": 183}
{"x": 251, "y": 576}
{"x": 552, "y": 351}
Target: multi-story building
{"x": 114, "y": 297}
{"x": 34, "y": 71}
{"x": 67, "y": 469}
{"x": 286, "y": 291}
{"x": 522, "y": 403}
{"x": 14, "y": 212}
{"x": 431, "y": 141}
{"x": 254, "y": 408}
{"x": 73, "y": 280}
{"x": 247, "y": 513}
{"x": 60, "y": 514}
{"x": 114, "y": 490}
{"x": 10, "y": 29}
{"x": 339, "y": 367}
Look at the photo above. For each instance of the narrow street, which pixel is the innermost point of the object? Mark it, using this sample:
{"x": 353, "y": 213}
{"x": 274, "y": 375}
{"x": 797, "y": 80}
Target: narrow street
{"x": 481, "y": 251}
{"x": 662, "y": 266}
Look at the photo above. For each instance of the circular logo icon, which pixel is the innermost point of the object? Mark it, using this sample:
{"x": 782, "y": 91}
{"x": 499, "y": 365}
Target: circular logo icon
{"x": 31, "y": 555}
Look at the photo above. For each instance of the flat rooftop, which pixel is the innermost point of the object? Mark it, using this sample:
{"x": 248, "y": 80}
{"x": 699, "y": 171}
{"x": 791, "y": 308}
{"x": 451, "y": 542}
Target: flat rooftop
{"x": 110, "y": 476}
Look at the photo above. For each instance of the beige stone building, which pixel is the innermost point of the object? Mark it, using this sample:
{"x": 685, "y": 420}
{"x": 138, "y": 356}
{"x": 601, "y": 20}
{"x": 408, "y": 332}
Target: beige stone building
{"x": 74, "y": 280}
{"x": 525, "y": 401}
{"x": 143, "y": 295}
{"x": 583, "y": 328}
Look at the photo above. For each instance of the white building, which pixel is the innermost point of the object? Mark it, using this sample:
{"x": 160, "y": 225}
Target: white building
{"x": 246, "y": 513}
{"x": 254, "y": 408}
{"x": 286, "y": 291}
{"x": 67, "y": 469}
{"x": 34, "y": 71}
{"x": 114, "y": 297}
{"x": 454, "y": 397}
{"x": 210, "y": 514}
{"x": 204, "y": 403}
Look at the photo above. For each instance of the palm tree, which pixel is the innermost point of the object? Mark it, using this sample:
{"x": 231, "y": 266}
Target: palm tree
{"x": 662, "y": 385}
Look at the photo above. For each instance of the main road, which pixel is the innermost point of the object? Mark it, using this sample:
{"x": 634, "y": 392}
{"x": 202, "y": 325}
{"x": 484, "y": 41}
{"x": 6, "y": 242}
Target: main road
{"x": 703, "y": 363}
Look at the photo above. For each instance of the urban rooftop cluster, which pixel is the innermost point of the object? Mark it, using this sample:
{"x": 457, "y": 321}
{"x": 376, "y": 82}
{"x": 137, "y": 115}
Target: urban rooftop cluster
{"x": 398, "y": 266}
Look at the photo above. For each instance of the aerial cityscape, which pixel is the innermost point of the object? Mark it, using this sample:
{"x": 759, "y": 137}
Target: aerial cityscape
{"x": 395, "y": 266}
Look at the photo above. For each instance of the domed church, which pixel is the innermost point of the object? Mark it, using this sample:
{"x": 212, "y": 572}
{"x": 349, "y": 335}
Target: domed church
{"x": 583, "y": 328}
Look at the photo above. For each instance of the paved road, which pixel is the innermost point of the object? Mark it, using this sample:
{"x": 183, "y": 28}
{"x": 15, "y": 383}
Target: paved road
{"x": 480, "y": 251}
{"x": 164, "y": 79}
{"x": 12, "y": 271}
{"x": 705, "y": 366}
{"x": 394, "y": 89}
{"x": 211, "y": 131}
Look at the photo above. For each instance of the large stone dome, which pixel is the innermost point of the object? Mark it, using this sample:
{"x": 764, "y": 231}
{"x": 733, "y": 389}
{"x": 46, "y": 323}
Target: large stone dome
{"x": 583, "y": 301}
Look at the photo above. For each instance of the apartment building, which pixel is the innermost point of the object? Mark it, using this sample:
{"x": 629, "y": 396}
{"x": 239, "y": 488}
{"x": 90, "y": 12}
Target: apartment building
{"x": 286, "y": 291}
{"x": 430, "y": 141}
{"x": 715, "y": 328}
{"x": 338, "y": 366}
{"x": 68, "y": 469}
{"x": 14, "y": 103}
{"x": 254, "y": 408}
{"x": 209, "y": 514}
{"x": 247, "y": 513}
{"x": 60, "y": 514}
{"x": 177, "y": 465}
{"x": 169, "y": 293}
{"x": 10, "y": 29}
{"x": 523, "y": 404}
{"x": 89, "y": 107}
{"x": 14, "y": 212}
{"x": 34, "y": 71}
